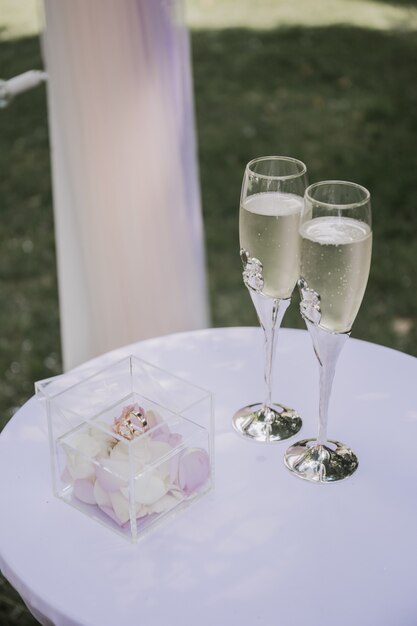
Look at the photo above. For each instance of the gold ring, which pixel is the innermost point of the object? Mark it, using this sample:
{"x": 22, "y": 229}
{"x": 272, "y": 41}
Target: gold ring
{"x": 141, "y": 417}
{"x": 127, "y": 429}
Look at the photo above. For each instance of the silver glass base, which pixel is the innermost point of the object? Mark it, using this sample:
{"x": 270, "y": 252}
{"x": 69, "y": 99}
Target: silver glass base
{"x": 321, "y": 463}
{"x": 267, "y": 424}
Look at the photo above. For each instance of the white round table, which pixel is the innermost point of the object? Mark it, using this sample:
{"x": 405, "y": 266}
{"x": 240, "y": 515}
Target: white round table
{"x": 263, "y": 548}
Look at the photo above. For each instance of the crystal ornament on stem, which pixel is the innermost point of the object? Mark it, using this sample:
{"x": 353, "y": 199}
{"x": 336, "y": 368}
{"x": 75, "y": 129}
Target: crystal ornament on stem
{"x": 270, "y": 209}
{"x": 335, "y": 261}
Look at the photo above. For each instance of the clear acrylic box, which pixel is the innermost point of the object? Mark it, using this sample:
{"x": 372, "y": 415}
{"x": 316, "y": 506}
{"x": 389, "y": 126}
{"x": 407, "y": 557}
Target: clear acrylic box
{"x": 128, "y": 479}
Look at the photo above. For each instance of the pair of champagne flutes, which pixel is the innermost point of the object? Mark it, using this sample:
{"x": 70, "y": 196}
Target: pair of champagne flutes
{"x": 318, "y": 237}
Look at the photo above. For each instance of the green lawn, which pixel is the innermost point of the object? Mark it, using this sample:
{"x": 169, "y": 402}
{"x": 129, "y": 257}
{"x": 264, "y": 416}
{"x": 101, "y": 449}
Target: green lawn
{"x": 343, "y": 98}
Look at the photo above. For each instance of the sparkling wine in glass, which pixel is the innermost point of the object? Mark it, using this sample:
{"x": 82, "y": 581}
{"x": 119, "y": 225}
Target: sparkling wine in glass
{"x": 336, "y": 247}
{"x": 269, "y": 220}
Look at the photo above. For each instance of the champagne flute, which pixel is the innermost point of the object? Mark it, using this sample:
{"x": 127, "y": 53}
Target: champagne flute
{"x": 336, "y": 247}
{"x": 270, "y": 209}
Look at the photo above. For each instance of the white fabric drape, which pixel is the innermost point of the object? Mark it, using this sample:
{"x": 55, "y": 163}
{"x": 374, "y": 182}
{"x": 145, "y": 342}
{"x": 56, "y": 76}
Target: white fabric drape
{"x": 126, "y": 197}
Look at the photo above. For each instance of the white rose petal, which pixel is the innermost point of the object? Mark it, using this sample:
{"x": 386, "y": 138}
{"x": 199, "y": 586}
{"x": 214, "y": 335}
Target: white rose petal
{"x": 149, "y": 489}
{"x": 158, "y": 449}
{"x": 113, "y": 475}
{"x": 100, "y": 435}
{"x": 176, "y": 493}
{"x": 105, "y": 447}
{"x": 84, "y": 491}
{"x": 110, "y": 513}
{"x": 153, "y": 418}
{"x": 140, "y": 509}
{"x": 87, "y": 445}
{"x": 102, "y": 497}
{"x": 78, "y": 466}
{"x": 120, "y": 453}
{"x": 120, "y": 506}
{"x": 140, "y": 451}
{"x": 83, "y": 448}
{"x": 163, "y": 504}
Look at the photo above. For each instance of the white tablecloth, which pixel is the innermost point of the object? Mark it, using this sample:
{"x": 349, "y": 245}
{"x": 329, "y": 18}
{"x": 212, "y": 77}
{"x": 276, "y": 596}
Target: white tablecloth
{"x": 263, "y": 548}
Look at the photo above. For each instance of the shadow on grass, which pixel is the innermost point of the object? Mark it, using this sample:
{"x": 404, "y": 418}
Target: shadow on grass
{"x": 412, "y": 4}
{"x": 344, "y": 100}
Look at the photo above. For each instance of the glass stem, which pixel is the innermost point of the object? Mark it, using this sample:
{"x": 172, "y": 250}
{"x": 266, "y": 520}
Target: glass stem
{"x": 327, "y": 346}
{"x": 327, "y": 371}
{"x": 269, "y": 335}
{"x": 270, "y": 313}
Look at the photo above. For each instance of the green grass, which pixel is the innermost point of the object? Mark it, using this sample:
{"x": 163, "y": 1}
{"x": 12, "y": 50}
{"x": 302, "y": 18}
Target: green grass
{"x": 343, "y": 99}
{"x": 29, "y": 339}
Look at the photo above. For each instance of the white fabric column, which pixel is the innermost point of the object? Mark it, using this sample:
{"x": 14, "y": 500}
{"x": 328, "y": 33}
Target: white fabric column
{"x": 126, "y": 198}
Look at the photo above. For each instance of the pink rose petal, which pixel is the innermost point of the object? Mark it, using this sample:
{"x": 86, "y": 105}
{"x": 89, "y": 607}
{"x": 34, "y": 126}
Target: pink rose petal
{"x": 193, "y": 471}
{"x": 173, "y": 469}
{"x": 66, "y": 476}
{"x": 129, "y": 409}
{"x": 161, "y": 434}
{"x": 174, "y": 440}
